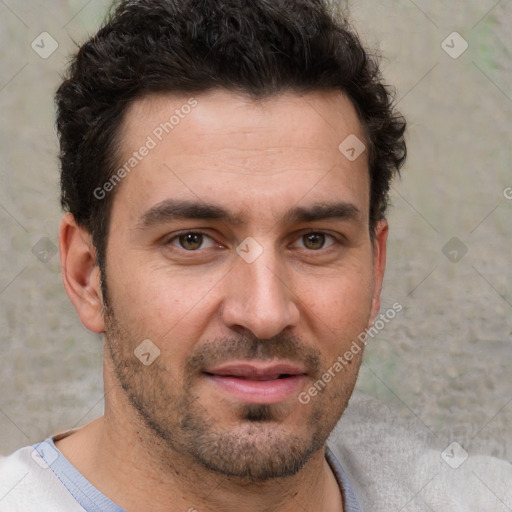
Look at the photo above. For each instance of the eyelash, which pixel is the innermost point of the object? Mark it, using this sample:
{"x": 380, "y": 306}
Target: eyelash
{"x": 184, "y": 233}
{"x": 336, "y": 240}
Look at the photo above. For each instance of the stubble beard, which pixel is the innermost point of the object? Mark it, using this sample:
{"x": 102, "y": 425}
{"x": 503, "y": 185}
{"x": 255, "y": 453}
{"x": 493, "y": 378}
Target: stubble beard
{"x": 256, "y": 447}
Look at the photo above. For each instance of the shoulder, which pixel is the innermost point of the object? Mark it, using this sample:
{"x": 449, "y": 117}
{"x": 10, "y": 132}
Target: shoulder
{"x": 395, "y": 467}
{"x": 27, "y": 484}
{"x": 481, "y": 483}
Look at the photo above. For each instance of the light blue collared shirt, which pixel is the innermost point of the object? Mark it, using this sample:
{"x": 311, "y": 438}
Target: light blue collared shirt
{"x": 92, "y": 500}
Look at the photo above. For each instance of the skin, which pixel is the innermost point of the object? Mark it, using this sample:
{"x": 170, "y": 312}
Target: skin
{"x": 304, "y": 299}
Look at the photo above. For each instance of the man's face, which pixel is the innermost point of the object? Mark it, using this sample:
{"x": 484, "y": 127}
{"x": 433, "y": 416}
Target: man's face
{"x": 243, "y": 325}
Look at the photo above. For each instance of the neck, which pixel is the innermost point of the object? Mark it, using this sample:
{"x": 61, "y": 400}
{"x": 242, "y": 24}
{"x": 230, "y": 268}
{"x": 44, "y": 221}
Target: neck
{"x": 128, "y": 463}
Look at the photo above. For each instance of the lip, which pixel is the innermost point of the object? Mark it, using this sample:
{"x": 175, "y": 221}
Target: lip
{"x": 257, "y": 382}
{"x": 256, "y": 370}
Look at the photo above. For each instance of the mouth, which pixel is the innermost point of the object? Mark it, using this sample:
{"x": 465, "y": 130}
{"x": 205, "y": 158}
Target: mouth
{"x": 257, "y": 382}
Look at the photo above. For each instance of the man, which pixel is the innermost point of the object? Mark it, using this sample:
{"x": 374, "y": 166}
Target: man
{"x": 225, "y": 168}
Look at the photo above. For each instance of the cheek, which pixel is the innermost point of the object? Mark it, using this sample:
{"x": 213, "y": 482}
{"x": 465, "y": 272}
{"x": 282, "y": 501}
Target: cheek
{"x": 160, "y": 303}
{"x": 342, "y": 304}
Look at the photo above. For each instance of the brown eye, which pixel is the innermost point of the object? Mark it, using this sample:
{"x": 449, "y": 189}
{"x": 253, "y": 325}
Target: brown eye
{"x": 191, "y": 241}
{"x": 314, "y": 241}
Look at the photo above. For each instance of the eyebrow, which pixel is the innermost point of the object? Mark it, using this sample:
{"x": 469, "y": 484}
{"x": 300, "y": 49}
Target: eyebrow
{"x": 339, "y": 210}
{"x": 169, "y": 210}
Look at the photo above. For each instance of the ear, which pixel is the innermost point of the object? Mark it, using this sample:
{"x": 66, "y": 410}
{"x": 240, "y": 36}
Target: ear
{"x": 80, "y": 273}
{"x": 379, "y": 264}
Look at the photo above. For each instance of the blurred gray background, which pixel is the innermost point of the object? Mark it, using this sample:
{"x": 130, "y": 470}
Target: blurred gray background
{"x": 443, "y": 365}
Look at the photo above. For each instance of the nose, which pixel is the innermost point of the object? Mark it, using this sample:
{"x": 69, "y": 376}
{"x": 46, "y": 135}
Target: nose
{"x": 259, "y": 297}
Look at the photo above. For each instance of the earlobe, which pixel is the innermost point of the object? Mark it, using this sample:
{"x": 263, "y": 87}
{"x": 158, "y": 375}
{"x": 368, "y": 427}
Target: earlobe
{"x": 379, "y": 264}
{"x": 80, "y": 274}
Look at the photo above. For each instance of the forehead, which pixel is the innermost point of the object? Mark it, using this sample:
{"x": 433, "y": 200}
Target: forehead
{"x": 223, "y": 147}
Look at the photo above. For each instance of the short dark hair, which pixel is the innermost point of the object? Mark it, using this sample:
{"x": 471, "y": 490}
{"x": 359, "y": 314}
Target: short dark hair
{"x": 258, "y": 48}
